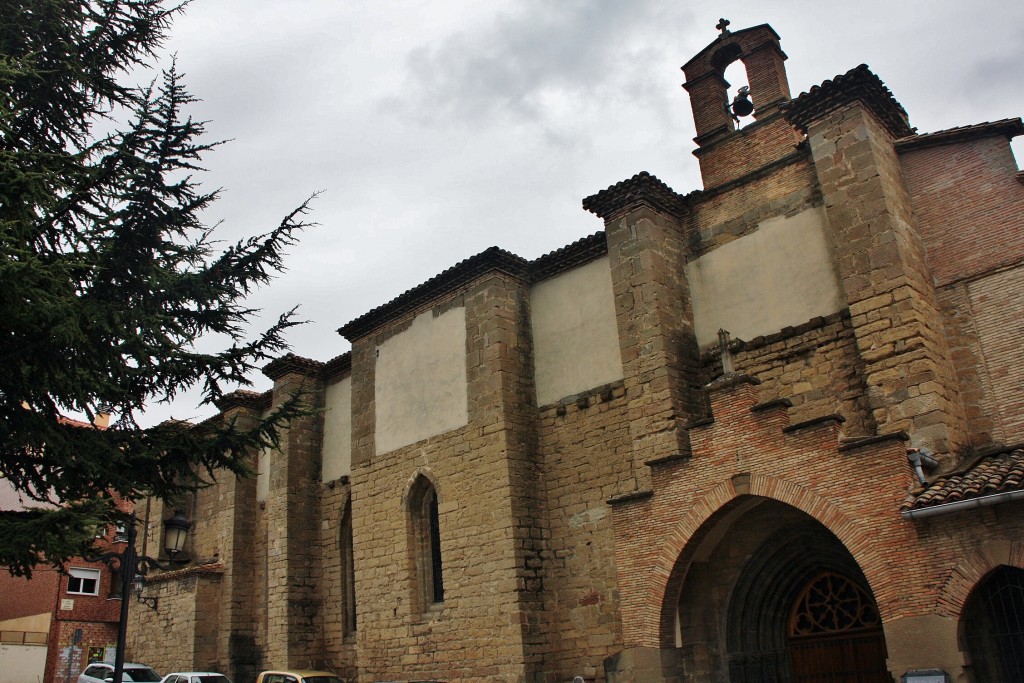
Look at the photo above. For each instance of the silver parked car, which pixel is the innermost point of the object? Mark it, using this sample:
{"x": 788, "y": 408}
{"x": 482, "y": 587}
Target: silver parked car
{"x": 101, "y": 672}
{"x": 196, "y": 677}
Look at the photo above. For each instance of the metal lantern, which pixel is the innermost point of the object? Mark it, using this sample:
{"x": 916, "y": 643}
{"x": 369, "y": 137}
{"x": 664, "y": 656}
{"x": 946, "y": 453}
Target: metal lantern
{"x": 175, "y": 532}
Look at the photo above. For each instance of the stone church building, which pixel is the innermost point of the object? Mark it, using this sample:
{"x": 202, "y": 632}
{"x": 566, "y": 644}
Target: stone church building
{"x": 761, "y": 431}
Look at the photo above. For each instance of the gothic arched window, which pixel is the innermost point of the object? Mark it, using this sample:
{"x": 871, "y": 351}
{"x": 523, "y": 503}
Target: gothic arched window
{"x": 993, "y": 626}
{"x": 426, "y": 537}
{"x": 348, "y": 574}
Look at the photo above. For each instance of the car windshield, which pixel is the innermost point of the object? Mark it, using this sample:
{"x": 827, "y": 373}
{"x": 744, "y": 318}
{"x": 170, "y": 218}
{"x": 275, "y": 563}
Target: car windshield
{"x": 140, "y": 674}
{"x": 217, "y": 678}
{"x": 320, "y": 679}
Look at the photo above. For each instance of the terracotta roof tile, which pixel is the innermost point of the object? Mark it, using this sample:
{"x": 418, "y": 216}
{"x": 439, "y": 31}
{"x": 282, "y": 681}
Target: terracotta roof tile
{"x": 857, "y": 84}
{"x": 998, "y": 473}
{"x": 279, "y": 367}
{"x": 580, "y": 252}
{"x": 492, "y": 259}
{"x": 643, "y": 187}
{"x": 1009, "y": 128}
{"x": 338, "y": 364}
{"x": 244, "y": 398}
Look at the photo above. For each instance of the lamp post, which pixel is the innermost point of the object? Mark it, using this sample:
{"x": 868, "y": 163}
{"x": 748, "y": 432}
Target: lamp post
{"x": 133, "y": 568}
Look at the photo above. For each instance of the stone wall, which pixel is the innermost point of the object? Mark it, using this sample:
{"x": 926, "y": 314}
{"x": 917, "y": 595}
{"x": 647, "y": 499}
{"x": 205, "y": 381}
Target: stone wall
{"x": 887, "y": 282}
{"x": 339, "y": 645}
{"x": 181, "y": 634}
{"x": 485, "y": 478}
{"x": 586, "y": 450}
{"x": 814, "y": 366}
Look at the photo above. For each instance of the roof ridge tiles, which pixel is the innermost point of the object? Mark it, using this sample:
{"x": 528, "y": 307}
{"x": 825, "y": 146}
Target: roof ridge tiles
{"x": 860, "y": 84}
{"x": 642, "y": 187}
{"x": 1010, "y": 128}
{"x": 582, "y": 251}
{"x": 493, "y": 258}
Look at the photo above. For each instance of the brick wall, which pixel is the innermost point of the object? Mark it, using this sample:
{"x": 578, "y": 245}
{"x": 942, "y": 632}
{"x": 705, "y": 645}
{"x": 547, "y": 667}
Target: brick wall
{"x": 34, "y": 596}
{"x": 997, "y": 306}
{"x": 746, "y": 452}
{"x": 969, "y": 206}
{"x": 61, "y": 642}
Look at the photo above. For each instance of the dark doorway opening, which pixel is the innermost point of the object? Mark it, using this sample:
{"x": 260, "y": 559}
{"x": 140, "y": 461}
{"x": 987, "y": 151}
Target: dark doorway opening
{"x": 772, "y": 596}
{"x": 993, "y": 627}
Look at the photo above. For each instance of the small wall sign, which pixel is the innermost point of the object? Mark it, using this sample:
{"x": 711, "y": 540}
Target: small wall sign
{"x": 926, "y": 676}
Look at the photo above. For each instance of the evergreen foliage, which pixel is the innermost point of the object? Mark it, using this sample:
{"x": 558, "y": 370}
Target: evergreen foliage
{"x": 108, "y": 277}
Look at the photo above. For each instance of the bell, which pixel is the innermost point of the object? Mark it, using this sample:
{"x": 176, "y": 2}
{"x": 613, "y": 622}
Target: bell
{"x": 741, "y": 104}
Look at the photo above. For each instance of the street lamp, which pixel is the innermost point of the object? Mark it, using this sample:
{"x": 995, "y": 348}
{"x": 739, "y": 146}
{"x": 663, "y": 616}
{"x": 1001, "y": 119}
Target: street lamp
{"x": 133, "y": 568}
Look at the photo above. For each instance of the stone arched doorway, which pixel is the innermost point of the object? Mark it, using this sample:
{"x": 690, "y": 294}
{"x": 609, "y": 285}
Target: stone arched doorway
{"x": 772, "y": 595}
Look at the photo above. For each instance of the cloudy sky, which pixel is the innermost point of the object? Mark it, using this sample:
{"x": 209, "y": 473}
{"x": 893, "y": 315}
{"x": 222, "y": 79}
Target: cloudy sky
{"x": 436, "y": 129}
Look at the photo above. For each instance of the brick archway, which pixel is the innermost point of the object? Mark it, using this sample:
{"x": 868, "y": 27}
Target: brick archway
{"x": 972, "y": 569}
{"x": 670, "y": 568}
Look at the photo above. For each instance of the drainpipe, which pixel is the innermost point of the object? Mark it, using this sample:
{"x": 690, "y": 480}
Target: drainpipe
{"x": 920, "y": 458}
{"x": 984, "y": 501}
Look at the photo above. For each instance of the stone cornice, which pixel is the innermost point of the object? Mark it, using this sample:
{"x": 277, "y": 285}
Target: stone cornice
{"x": 643, "y": 188}
{"x": 490, "y": 260}
{"x": 215, "y": 569}
{"x": 856, "y": 85}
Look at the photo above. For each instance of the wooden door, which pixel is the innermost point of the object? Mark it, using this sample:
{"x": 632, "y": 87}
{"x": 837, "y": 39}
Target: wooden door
{"x": 835, "y": 634}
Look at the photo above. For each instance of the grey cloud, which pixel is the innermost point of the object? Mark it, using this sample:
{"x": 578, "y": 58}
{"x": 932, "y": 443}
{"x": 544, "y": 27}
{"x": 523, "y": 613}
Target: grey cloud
{"x": 548, "y": 50}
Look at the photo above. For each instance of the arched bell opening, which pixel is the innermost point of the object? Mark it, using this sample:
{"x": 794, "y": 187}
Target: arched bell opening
{"x": 771, "y": 594}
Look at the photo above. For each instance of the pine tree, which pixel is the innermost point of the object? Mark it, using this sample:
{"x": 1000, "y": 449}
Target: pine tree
{"x": 108, "y": 277}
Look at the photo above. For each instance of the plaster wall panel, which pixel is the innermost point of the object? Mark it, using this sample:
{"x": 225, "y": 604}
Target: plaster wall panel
{"x": 780, "y": 275}
{"x": 337, "y": 451}
{"x": 420, "y": 381}
{"x": 575, "y": 337}
{"x": 22, "y": 662}
{"x": 37, "y": 623}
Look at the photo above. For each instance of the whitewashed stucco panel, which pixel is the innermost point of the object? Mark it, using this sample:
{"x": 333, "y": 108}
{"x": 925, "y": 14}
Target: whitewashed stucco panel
{"x": 575, "y": 335}
{"x": 420, "y": 388}
{"x": 782, "y": 274}
{"x": 337, "y": 449}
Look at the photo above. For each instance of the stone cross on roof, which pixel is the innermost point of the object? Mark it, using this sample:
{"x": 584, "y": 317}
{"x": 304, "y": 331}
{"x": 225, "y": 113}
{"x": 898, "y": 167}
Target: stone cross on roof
{"x": 723, "y": 26}
{"x": 723, "y": 344}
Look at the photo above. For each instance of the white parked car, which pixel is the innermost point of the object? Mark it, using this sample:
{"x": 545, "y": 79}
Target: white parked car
{"x": 196, "y": 677}
{"x": 101, "y": 672}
